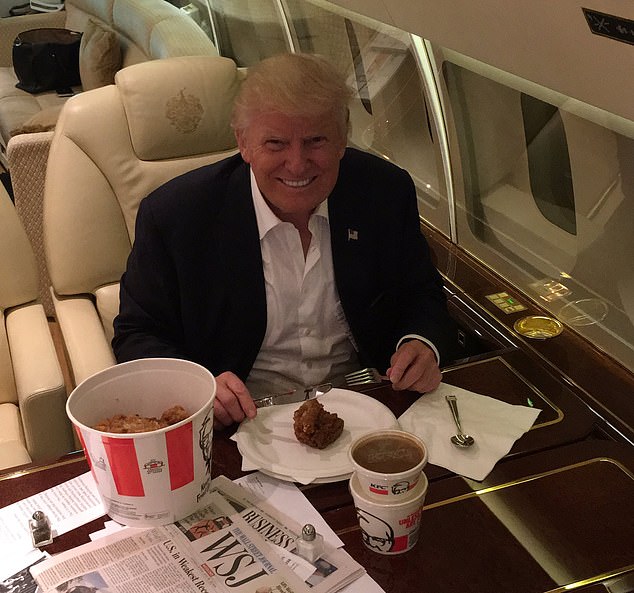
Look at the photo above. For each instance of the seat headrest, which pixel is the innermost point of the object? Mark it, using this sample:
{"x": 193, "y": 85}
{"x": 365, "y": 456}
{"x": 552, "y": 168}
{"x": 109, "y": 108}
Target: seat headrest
{"x": 179, "y": 107}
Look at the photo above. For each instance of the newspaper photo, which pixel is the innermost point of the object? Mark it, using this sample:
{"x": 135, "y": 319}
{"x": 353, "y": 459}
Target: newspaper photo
{"x": 236, "y": 543}
{"x": 20, "y": 582}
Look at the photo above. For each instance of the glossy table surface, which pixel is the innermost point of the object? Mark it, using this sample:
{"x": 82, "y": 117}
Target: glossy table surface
{"x": 557, "y": 511}
{"x": 597, "y": 379}
{"x": 557, "y": 518}
{"x": 556, "y": 514}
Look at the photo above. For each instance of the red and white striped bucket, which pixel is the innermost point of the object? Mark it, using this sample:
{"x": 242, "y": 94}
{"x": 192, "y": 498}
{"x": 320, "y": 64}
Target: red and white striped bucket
{"x": 148, "y": 478}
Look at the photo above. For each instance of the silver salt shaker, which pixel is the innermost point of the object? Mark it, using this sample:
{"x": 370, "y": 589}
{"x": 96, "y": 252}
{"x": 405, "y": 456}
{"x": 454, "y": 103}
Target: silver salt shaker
{"x": 311, "y": 544}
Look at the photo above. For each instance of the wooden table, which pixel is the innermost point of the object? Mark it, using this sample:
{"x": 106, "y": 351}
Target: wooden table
{"x": 558, "y": 511}
{"x": 536, "y": 524}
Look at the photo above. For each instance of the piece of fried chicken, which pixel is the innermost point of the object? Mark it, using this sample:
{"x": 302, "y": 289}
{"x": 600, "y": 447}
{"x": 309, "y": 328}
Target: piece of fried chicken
{"x": 131, "y": 424}
{"x": 316, "y": 427}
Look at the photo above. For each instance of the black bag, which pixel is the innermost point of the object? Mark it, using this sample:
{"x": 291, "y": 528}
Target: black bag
{"x": 46, "y": 59}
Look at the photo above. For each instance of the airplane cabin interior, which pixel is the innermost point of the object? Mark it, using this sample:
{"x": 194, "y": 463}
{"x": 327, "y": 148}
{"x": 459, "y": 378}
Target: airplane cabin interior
{"x": 515, "y": 121}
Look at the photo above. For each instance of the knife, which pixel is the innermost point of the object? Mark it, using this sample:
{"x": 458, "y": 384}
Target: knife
{"x": 292, "y": 396}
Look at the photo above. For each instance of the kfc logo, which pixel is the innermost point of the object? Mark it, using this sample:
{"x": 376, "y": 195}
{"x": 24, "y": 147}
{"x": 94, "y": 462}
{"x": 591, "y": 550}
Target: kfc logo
{"x": 378, "y": 488}
{"x": 154, "y": 466}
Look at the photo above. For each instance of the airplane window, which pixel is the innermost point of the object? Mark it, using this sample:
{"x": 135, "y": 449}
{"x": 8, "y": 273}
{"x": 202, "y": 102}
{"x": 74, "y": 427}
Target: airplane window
{"x": 542, "y": 186}
{"x": 390, "y": 115}
{"x": 244, "y": 30}
{"x": 530, "y": 142}
{"x": 199, "y": 12}
{"x": 548, "y": 162}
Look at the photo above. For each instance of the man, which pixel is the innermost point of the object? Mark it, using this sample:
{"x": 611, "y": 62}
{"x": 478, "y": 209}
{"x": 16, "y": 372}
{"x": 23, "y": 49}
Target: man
{"x": 294, "y": 262}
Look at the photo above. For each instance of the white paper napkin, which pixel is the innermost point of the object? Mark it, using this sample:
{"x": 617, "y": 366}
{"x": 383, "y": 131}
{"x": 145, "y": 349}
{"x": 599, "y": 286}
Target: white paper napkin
{"x": 495, "y": 426}
{"x": 249, "y": 465}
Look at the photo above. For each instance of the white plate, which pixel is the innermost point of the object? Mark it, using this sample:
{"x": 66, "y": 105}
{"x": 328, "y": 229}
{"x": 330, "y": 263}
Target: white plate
{"x": 269, "y": 443}
{"x": 305, "y": 481}
{"x": 252, "y": 465}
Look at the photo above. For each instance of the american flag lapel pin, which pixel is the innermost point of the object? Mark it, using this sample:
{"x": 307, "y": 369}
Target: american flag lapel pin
{"x": 353, "y": 235}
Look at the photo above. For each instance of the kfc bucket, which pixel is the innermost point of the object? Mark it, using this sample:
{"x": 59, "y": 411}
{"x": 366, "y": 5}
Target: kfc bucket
{"x": 148, "y": 478}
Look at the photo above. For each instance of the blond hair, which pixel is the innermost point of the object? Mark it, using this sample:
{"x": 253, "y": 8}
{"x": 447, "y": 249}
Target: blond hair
{"x": 293, "y": 84}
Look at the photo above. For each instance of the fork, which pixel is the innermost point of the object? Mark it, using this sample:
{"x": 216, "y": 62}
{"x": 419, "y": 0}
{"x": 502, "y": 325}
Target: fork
{"x": 363, "y": 377}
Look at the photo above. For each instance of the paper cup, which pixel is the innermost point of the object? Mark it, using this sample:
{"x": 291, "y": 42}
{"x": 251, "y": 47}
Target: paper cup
{"x": 388, "y": 463}
{"x": 149, "y": 478}
{"x": 389, "y": 527}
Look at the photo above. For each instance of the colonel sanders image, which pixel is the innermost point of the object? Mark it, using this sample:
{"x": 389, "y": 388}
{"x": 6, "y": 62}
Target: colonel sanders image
{"x": 377, "y": 534}
{"x": 204, "y": 442}
{"x": 400, "y": 487}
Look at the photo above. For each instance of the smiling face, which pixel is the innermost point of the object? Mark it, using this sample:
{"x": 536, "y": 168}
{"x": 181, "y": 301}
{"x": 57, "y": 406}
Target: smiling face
{"x": 295, "y": 160}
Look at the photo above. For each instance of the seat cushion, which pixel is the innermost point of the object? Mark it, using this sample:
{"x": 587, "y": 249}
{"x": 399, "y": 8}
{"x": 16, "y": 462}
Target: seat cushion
{"x": 17, "y": 106}
{"x": 8, "y": 80}
{"x": 43, "y": 121}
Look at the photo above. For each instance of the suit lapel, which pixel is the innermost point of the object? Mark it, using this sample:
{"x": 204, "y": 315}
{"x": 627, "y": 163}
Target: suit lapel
{"x": 350, "y": 236}
{"x": 238, "y": 299}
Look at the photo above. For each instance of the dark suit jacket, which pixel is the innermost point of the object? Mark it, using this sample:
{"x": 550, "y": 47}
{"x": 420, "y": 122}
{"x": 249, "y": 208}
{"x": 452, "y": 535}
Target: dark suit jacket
{"x": 194, "y": 285}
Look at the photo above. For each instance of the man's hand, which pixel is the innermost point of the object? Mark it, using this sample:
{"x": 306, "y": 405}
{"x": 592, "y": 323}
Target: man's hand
{"x": 414, "y": 367}
{"x": 233, "y": 401}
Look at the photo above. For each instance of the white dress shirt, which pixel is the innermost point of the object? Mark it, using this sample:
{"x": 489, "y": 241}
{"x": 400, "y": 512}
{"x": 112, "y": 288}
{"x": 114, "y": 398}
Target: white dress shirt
{"x": 307, "y": 339}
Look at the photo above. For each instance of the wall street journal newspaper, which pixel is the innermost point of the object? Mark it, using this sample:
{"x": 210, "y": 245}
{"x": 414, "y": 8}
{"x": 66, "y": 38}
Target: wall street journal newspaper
{"x": 238, "y": 543}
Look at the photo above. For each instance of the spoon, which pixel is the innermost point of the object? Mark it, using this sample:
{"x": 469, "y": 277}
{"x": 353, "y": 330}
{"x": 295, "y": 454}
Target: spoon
{"x": 461, "y": 439}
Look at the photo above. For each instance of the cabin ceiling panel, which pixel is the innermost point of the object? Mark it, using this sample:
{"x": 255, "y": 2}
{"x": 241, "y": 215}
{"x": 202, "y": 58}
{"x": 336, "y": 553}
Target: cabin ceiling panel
{"x": 545, "y": 42}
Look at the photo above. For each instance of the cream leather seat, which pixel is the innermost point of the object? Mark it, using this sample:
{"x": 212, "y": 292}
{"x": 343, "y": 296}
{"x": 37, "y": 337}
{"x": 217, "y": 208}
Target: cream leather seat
{"x": 112, "y": 146}
{"x": 33, "y": 421}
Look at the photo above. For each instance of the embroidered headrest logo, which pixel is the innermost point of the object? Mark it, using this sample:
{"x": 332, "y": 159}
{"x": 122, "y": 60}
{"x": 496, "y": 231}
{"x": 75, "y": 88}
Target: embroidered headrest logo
{"x": 184, "y": 112}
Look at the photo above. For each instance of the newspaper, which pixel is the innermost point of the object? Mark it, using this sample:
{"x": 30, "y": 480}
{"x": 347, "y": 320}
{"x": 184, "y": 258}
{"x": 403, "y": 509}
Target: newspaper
{"x": 237, "y": 543}
{"x": 21, "y": 581}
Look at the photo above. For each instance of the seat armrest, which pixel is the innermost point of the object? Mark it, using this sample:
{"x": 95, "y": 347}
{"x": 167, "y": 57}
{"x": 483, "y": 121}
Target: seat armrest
{"x": 107, "y": 302}
{"x": 39, "y": 383}
{"x": 12, "y": 449}
{"x": 86, "y": 344}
